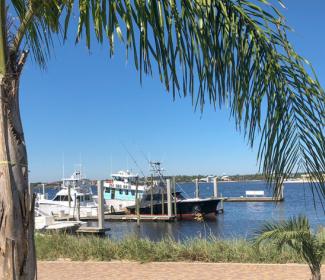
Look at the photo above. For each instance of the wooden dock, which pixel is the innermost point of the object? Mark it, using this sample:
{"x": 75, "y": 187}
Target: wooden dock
{"x": 252, "y": 199}
{"x": 109, "y": 217}
{"x": 147, "y": 218}
{"x": 92, "y": 230}
{"x": 143, "y": 218}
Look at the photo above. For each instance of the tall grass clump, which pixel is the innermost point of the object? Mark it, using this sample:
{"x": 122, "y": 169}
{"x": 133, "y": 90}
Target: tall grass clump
{"x": 82, "y": 248}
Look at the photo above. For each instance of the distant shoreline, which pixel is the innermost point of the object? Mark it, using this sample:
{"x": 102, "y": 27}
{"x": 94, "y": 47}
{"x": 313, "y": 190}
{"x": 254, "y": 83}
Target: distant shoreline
{"x": 299, "y": 181}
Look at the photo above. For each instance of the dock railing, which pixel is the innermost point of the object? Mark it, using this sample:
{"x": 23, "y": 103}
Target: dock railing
{"x": 254, "y": 193}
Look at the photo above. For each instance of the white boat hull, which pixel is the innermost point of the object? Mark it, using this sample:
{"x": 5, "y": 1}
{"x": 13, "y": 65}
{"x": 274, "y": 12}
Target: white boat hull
{"x": 117, "y": 206}
{"x": 58, "y": 209}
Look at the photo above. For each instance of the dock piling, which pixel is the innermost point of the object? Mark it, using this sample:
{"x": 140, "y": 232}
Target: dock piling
{"x": 162, "y": 203}
{"x": 175, "y": 198}
{"x": 78, "y": 209}
{"x": 100, "y": 186}
{"x": 169, "y": 198}
{"x": 151, "y": 196}
{"x": 215, "y": 187}
{"x": 197, "y": 191}
{"x": 282, "y": 192}
{"x": 69, "y": 195}
{"x": 137, "y": 202}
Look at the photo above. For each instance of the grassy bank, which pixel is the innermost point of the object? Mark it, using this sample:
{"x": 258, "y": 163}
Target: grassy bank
{"x": 53, "y": 247}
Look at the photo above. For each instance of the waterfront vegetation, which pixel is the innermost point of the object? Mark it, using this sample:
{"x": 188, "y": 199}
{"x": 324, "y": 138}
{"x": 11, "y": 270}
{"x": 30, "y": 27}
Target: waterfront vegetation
{"x": 296, "y": 233}
{"x": 85, "y": 248}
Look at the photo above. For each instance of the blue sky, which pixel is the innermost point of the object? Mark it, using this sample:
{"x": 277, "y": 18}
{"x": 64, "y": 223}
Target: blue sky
{"x": 87, "y": 107}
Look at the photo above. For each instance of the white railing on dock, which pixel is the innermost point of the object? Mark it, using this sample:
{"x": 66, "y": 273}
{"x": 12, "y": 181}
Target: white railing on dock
{"x": 254, "y": 193}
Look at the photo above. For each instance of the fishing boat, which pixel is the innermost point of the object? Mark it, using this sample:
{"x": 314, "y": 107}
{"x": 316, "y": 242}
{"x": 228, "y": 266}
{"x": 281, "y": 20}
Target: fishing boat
{"x": 154, "y": 201}
{"x": 120, "y": 191}
{"x": 75, "y": 198}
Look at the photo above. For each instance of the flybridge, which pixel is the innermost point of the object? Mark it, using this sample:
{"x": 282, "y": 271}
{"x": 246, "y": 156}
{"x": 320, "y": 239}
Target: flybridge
{"x": 122, "y": 175}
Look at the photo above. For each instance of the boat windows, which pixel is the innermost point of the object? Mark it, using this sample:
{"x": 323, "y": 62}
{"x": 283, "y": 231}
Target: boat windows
{"x": 61, "y": 198}
{"x": 121, "y": 191}
{"x": 132, "y": 192}
{"x": 107, "y": 190}
{"x": 127, "y": 192}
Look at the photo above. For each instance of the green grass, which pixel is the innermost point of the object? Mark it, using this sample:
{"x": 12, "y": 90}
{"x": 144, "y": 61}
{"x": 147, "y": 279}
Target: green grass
{"x": 82, "y": 248}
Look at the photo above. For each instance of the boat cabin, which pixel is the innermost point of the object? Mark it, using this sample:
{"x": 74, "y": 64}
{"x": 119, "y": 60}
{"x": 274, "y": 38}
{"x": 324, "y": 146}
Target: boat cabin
{"x": 122, "y": 186}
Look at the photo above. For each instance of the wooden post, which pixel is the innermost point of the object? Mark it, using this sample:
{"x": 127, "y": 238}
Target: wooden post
{"x": 162, "y": 203}
{"x": 282, "y": 192}
{"x": 221, "y": 202}
{"x": 215, "y": 187}
{"x": 175, "y": 198}
{"x": 100, "y": 211}
{"x": 151, "y": 196}
{"x": 138, "y": 211}
{"x": 78, "y": 209}
{"x": 69, "y": 196}
{"x": 169, "y": 199}
{"x": 69, "y": 199}
{"x": 197, "y": 194}
{"x": 137, "y": 202}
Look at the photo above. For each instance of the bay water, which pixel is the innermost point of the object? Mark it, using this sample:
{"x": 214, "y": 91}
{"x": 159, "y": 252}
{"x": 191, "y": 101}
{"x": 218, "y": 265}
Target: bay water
{"x": 239, "y": 220}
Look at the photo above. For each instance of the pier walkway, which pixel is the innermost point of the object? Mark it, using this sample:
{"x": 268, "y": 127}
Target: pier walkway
{"x": 163, "y": 270}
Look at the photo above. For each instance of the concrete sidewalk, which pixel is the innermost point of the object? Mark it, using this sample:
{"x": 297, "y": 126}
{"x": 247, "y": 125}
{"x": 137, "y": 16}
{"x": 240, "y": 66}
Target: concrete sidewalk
{"x": 164, "y": 270}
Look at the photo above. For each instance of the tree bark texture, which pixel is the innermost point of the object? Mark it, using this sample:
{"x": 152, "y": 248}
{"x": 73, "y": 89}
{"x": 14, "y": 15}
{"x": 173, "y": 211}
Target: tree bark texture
{"x": 17, "y": 248}
{"x": 316, "y": 275}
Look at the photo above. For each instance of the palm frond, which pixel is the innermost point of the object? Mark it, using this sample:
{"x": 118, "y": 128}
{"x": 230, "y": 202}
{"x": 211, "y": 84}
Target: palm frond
{"x": 224, "y": 52}
{"x": 38, "y": 21}
{"x": 295, "y": 233}
{"x": 284, "y": 232}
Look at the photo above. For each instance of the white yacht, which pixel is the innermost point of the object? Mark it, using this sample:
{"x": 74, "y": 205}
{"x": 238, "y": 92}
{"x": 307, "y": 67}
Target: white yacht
{"x": 120, "y": 191}
{"x": 75, "y": 194}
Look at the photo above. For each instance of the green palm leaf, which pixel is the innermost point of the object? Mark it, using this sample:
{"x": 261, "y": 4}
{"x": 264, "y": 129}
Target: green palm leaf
{"x": 231, "y": 53}
{"x": 295, "y": 233}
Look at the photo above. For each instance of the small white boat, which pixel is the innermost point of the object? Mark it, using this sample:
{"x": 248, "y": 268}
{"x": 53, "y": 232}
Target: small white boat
{"x": 44, "y": 222}
{"x": 74, "y": 198}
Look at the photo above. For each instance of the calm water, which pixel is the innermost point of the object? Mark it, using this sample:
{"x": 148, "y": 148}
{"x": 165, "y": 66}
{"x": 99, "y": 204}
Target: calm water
{"x": 239, "y": 219}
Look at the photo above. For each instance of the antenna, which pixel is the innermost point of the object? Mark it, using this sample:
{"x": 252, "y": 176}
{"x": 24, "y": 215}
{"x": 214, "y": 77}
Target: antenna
{"x": 135, "y": 162}
{"x": 63, "y": 165}
{"x": 111, "y": 165}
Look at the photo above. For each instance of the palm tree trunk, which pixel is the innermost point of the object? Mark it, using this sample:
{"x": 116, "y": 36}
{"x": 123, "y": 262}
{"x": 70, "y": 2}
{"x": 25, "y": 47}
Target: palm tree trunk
{"x": 17, "y": 248}
{"x": 316, "y": 275}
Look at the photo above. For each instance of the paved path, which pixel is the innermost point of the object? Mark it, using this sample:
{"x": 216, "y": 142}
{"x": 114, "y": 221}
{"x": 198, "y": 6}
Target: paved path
{"x": 187, "y": 271}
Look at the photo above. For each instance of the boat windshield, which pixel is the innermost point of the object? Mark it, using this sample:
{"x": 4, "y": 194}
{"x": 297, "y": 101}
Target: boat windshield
{"x": 85, "y": 198}
{"x": 130, "y": 180}
{"x": 62, "y": 198}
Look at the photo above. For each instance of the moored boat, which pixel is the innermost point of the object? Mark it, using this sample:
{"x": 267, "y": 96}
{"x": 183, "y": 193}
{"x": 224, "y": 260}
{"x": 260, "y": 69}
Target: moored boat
{"x": 154, "y": 201}
{"x": 120, "y": 191}
{"x": 74, "y": 198}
